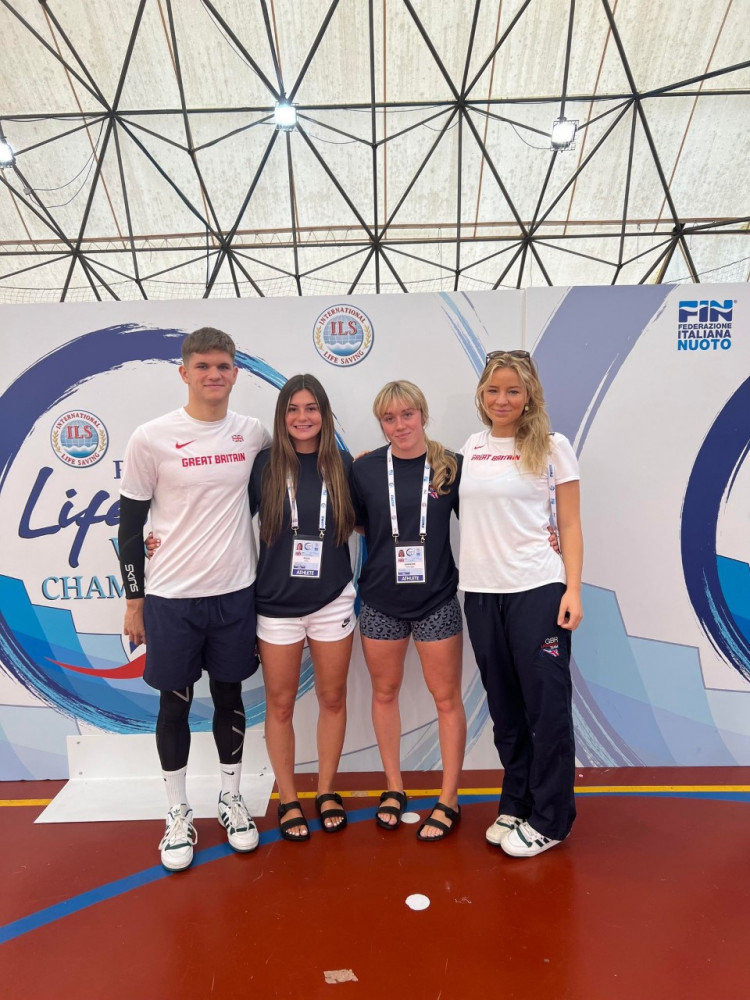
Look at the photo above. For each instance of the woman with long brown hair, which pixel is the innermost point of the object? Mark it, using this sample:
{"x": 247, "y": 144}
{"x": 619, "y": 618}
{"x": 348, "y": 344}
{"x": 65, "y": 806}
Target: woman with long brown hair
{"x": 304, "y": 590}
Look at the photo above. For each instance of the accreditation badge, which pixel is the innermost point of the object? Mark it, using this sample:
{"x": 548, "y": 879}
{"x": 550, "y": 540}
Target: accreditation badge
{"x": 307, "y": 557}
{"x": 410, "y": 563}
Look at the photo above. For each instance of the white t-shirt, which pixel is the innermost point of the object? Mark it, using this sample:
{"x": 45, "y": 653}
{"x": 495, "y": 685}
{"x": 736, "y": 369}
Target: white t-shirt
{"x": 196, "y": 473}
{"x": 504, "y": 515}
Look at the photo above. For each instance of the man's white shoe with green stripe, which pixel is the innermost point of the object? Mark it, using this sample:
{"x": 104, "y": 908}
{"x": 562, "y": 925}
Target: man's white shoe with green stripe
{"x": 501, "y": 828}
{"x": 179, "y": 837}
{"x": 526, "y": 842}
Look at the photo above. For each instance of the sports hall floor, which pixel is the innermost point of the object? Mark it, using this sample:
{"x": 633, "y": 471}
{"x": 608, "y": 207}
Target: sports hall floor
{"x": 648, "y": 898}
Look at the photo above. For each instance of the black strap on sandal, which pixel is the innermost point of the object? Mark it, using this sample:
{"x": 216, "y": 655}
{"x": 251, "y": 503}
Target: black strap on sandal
{"x": 396, "y": 811}
{"x": 320, "y": 801}
{"x": 399, "y": 796}
{"x": 454, "y": 815}
{"x": 285, "y": 825}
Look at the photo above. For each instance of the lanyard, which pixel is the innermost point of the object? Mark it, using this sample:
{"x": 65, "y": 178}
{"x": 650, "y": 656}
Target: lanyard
{"x": 392, "y": 498}
{"x": 551, "y": 485}
{"x": 293, "y": 506}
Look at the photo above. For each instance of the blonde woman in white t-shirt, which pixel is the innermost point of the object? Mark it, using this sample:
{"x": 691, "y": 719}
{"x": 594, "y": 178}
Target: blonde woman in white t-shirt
{"x": 523, "y": 599}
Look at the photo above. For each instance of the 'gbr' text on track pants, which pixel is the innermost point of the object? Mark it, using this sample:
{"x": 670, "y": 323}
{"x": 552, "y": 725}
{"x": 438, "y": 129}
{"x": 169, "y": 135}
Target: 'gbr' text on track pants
{"x": 524, "y": 662}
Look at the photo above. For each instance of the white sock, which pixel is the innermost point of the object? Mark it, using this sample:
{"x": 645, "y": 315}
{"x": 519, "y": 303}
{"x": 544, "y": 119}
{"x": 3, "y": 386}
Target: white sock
{"x": 174, "y": 784}
{"x": 230, "y": 778}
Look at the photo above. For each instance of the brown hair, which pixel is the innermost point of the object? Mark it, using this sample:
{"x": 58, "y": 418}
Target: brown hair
{"x": 204, "y": 340}
{"x": 284, "y": 462}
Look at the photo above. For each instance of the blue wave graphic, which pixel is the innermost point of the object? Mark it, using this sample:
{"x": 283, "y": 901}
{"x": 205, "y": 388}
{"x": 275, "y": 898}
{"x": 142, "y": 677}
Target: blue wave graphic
{"x": 734, "y": 579}
{"x": 723, "y": 452}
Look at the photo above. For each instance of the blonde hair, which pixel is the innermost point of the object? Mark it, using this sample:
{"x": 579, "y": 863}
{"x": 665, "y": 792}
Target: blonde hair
{"x": 441, "y": 461}
{"x": 533, "y": 430}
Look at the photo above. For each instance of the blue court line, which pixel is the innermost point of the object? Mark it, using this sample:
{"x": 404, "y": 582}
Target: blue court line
{"x": 32, "y": 922}
{"x": 109, "y": 890}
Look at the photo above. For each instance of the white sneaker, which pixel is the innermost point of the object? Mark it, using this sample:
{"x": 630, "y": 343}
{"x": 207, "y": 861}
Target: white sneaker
{"x": 237, "y": 821}
{"x": 526, "y": 842}
{"x": 501, "y": 828}
{"x": 177, "y": 843}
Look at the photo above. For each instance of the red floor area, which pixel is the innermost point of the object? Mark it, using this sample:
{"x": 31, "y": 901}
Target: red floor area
{"x": 650, "y": 897}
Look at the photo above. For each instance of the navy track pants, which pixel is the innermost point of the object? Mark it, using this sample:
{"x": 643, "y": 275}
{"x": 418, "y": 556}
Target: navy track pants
{"x": 524, "y": 662}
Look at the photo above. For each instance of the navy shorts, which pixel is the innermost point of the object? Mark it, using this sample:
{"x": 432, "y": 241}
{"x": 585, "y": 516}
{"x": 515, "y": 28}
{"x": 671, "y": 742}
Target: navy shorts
{"x": 187, "y": 635}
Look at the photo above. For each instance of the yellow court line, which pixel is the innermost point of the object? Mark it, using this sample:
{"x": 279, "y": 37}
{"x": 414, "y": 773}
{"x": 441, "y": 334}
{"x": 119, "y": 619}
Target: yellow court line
{"x": 374, "y": 793}
{"x": 25, "y": 802}
{"x": 580, "y": 789}
{"x": 421, "y": 792}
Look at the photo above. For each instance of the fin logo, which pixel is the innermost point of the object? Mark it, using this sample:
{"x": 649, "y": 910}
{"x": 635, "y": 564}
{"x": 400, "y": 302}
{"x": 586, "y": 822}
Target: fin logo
{"x": 705, "y": 324}
{"x": 706, "y": 311}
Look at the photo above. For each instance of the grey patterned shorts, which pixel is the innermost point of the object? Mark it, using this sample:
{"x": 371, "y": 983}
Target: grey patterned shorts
{"x": 442, "y": 623}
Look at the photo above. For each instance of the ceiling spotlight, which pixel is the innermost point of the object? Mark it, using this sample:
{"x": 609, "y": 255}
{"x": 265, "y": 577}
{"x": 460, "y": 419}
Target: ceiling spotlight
{"x": 563, "y": 133}
{"x": 7, "y": 156}
{"x": 285, "y": 116}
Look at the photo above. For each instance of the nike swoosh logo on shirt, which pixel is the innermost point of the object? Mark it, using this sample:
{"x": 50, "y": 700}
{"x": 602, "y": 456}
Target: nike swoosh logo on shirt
{"x": 178, "y": 445}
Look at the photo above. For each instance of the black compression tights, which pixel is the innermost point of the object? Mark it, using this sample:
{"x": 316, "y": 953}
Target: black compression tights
{"x": 229, "y": 720}
{"x": 173, "y": 727}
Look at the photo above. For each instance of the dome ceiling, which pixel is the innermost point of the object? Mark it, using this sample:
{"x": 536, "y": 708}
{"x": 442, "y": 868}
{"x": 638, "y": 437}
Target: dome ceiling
{"x": 148, "y": 165}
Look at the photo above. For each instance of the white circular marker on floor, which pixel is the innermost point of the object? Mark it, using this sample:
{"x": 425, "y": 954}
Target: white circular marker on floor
{"x": 417, "y": 901}
{"x": 411, "y": 817}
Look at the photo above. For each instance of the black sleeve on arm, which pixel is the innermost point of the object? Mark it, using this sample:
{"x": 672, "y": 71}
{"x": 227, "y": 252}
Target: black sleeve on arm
{"x": 359, "y": 512}
{"x": 254, "y": 485}
{"x": 457, "y": 482}
{"x": 133, "y": 514}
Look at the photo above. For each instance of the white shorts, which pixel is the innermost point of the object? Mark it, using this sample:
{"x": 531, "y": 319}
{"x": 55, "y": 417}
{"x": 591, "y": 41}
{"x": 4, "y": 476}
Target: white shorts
{"x": 329, "y": 624}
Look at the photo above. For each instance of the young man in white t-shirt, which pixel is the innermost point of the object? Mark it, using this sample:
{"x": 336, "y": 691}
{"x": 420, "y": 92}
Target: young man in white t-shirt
{"x": 189, "y": 470}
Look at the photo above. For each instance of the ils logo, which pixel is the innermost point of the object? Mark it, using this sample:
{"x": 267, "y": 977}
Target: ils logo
{"x": 79, "y": 439}
{"x": 705, "y": 325}
{"x": 343, "y": 335}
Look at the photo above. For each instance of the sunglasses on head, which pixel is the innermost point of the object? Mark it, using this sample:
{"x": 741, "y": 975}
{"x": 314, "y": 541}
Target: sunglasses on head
{"x": 519, "y": 355}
